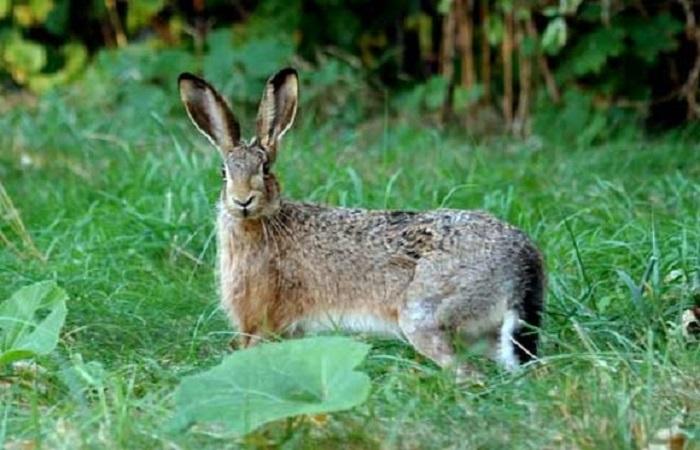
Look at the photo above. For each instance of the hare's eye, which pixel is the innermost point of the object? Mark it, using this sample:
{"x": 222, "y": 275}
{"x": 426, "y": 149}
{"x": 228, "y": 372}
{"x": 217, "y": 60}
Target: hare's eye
{"x": 266, "y": 168}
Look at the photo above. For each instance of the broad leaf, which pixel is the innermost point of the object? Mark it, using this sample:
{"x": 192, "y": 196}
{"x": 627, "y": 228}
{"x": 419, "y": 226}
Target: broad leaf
{"x": 635, "y": 291}
{"x": 58, "y": 19}
{"x": 4, "y": 8}
{"x": 554, "y": 36}
{"x": 30, "y": 321}
{"x": 273, "y": 381}
{"x": 444, "y": 6}
{"x": 22, "y": 57}
{"x": 569, "y": 6}
{"x": 593, "y": 50}
{"x": 32, "y": 12}
{"x": 83, "y": 376}
{"x": 494, "y": 29}
{"x": 654, "y": 35}
{"x": 435, "y": 92}
{"x": 142, "y": 12}
{"x": 464, "y": 98}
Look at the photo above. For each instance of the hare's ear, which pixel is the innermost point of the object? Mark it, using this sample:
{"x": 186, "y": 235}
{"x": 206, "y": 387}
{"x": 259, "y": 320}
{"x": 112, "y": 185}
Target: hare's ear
{"x": 277, "y": 107}
{"x": 209, "y": 112}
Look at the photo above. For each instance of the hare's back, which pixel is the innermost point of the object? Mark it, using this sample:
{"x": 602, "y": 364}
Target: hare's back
{"x": 412, "y": 235}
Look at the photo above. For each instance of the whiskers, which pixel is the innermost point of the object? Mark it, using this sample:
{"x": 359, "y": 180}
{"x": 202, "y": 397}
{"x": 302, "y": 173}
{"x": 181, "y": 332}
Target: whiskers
{"x": 277, "y": 236}
{"x": 280, "y": 228}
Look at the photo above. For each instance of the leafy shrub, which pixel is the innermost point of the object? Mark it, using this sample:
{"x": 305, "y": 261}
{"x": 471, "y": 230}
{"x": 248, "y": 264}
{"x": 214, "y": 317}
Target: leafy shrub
{"x": 633, "y": 55}
{"x": 38, "y": 64}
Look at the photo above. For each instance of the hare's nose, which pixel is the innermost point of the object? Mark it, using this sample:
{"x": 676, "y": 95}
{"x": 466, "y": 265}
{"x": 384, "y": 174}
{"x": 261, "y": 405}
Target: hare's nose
{"x": 244, "y": 203}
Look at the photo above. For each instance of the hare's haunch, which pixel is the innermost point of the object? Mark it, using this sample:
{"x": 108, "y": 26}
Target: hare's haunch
{"x": 430, "y": 277}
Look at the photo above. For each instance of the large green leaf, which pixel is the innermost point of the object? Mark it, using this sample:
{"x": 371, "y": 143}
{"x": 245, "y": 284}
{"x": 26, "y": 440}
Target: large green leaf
{"x": 30, "y": 321}
{"x": 273, "y": 381}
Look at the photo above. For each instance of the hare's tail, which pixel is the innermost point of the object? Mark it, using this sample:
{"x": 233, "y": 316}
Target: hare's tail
{"x": 530, "y": 312}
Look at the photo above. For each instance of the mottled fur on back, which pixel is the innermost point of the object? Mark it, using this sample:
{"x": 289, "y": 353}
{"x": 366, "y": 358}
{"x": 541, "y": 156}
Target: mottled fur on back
{"x": 429, "y": 277}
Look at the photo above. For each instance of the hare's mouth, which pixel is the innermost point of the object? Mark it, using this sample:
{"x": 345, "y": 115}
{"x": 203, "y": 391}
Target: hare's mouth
{"x": 248, "y": 213}
{"x": 245, "y": 207}
{"x": 244, "y": 213}
{"x": 256, "y": 208}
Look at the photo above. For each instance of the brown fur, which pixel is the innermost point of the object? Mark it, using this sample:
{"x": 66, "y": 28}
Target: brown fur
{"x": 285, "y": 266}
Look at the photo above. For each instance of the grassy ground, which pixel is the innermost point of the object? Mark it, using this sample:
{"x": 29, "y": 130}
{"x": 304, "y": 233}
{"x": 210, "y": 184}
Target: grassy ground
{"x": 119, "y": 191}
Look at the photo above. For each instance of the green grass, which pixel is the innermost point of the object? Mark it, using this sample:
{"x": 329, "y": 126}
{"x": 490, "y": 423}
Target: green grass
{"x": 119, "y": 193}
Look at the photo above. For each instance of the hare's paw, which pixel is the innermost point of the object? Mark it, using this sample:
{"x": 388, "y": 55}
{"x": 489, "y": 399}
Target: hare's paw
{"x": 234, "y": 344}
{"x": 466, "y": 374}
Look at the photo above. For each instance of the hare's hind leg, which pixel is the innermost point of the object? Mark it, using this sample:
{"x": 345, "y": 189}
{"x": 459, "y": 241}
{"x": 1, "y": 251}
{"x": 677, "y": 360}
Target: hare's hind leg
{"x": 421, "y": 325}
{"x": 444, "y": 305}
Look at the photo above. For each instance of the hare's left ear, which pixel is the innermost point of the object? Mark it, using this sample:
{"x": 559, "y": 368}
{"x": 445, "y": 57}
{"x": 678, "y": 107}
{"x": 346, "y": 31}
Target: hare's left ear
{"x": 277, "y": 108}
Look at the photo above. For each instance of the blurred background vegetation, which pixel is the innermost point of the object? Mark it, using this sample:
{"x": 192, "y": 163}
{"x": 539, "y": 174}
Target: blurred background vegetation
{"x": 588, "y": 68}
{"x": 590, "y": 112}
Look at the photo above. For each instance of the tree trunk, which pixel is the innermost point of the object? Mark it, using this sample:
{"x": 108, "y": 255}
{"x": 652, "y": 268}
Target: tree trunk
{"x": 485, "y": 52}
{"x": 465, "y": 42}
{"x": 447, "y": 46}
{"x": 543, "y": 64}
{"x": 689, "y": 90}
{"x": 447, "y": 60}
{"x": 525, "y": 73}
{"x": 507, "y": 55}
{"x": 115, "y": 21}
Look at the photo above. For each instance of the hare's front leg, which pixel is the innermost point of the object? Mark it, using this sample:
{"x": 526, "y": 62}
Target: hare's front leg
{"x": 252, "y": 307}
{"x": 249, "y": 335}
{"x": 255, "y": 324}
{"x": 244, "y": 337}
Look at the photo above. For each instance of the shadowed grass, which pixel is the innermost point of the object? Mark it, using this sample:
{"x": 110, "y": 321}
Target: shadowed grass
{"x": 119, "y": 197}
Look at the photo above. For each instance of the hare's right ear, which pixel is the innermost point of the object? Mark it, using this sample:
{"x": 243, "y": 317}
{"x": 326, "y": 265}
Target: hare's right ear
{"x": 209, "y": 112}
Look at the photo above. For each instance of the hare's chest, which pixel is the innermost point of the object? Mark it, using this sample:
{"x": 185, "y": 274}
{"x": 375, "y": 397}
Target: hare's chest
{"x": 245, "y": 273}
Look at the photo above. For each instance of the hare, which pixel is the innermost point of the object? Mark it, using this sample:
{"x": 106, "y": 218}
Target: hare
{"x": 434, "y": 278}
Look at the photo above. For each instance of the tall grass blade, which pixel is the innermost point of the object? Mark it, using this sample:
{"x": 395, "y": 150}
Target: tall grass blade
{"x": 10, "y": 215}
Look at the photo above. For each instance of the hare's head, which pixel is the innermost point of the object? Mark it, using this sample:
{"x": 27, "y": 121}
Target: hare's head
{"x": 250, "y": 189}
